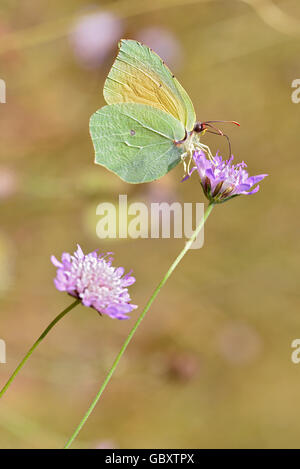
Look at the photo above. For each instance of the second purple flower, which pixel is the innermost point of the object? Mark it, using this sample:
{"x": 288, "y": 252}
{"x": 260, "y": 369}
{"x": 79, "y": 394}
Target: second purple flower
{"x": 92, "y": 278}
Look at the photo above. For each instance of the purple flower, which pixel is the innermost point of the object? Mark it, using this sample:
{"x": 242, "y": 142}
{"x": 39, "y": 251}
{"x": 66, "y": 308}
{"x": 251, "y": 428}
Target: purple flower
{"x": 221, "y": 180}
{"x": 94, "y": 280}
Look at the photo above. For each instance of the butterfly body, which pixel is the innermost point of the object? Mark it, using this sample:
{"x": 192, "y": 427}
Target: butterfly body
{"x": 149, "y": 124}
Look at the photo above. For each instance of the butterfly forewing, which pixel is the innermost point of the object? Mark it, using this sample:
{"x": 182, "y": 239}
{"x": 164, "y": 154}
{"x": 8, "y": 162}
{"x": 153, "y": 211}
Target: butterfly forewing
{"x": 138, "y": 75}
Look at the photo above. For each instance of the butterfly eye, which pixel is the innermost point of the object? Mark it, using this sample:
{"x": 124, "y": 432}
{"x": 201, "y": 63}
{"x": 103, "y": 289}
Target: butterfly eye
{"x": 199, "y": 127}
{"x": 132, "y": 132}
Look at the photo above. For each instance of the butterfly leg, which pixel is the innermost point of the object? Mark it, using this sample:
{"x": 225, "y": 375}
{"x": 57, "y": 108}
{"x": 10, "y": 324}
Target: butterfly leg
{"x": 189, "y": 163}
{"x": 207, "y": 150}
{"x": 189, "y": 154}
{"x": 183, "y": 156}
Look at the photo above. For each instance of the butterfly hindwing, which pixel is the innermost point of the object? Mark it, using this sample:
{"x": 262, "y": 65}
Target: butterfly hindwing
{"x": 136, "y": 141}
{"x": 138, "y": 75}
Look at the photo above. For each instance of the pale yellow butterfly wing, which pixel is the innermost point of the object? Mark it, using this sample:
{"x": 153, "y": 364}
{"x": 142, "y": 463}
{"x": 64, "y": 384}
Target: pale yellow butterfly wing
{"x": 138, "y": 75}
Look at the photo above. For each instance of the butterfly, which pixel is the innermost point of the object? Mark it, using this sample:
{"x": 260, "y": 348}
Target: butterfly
{"x": 149, "y": 124}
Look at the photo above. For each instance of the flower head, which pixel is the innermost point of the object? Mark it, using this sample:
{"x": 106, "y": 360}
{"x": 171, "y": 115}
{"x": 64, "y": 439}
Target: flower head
{"x": 221, "y": 180}
{"x": 92, "y": 278}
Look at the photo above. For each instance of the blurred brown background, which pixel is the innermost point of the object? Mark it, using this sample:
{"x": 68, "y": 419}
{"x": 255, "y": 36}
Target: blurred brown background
{"x": 211, "y": 365}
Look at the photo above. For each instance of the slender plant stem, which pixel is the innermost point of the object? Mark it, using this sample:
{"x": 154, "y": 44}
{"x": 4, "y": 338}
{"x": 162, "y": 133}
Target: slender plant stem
{"x": 46, "y": 331}
{"x": 138, "y": 322}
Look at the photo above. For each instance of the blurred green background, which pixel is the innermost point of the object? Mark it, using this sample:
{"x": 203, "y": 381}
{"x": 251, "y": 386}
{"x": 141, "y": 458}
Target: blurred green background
{"x": 211, "y": 365}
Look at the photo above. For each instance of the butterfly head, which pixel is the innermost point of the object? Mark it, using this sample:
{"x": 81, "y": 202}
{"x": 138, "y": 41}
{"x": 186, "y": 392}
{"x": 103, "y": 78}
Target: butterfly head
{"x": 200, "y": 127}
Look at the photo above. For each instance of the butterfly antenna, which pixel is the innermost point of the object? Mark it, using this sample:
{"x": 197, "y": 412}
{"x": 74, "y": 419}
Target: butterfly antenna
{"x": 219, "y": 132}
{"x": 222, "y": 122}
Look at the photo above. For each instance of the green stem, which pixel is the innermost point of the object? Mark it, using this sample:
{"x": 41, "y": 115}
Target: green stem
{"x": 138, "y": 322}
{"x": 46, "y": 331}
